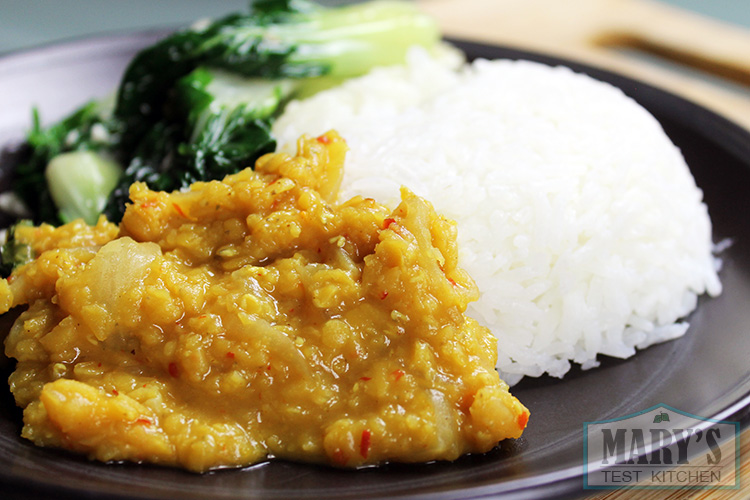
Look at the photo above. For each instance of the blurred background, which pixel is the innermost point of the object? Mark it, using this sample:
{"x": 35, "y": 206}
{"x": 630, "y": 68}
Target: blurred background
{"x": 699, "y": 49}
{"x": 27, "y": 23}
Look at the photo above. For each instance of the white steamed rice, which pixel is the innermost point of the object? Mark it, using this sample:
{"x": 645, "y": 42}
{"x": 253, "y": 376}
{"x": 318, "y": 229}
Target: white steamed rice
{"x": 577, "y": 217}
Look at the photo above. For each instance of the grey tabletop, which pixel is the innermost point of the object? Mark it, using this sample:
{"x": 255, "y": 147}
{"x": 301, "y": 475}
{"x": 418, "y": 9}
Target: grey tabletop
{"x": 29, "y": 23}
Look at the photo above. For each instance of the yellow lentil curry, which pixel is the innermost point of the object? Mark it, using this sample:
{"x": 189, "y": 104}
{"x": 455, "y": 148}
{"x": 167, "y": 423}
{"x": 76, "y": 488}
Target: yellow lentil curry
{"x": 254, "y": 318}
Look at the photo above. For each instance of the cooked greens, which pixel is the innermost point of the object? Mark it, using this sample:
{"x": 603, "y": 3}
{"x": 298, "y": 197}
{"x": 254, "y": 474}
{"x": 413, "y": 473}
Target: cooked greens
{"x": 14, "y": 253}
{"x": 87, "y": 129}
{"x": 222, "y": 124}
{"x": 80, "y": 183}
{"x": 199, "y": 104}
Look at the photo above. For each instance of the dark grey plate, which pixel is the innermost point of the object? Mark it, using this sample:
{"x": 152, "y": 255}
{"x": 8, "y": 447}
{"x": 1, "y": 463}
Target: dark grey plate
{"x": 706, "y": 373}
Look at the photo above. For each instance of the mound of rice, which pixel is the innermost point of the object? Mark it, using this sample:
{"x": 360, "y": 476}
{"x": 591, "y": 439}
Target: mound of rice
{"x": 577, "y": 216}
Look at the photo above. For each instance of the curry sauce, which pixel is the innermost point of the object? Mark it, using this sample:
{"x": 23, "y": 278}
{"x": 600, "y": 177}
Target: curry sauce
{"x": 255, "y": 317}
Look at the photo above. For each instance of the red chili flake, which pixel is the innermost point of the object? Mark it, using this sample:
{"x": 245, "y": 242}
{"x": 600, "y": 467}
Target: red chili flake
{"x": 452, "y": 282}
{"x": 114, "y": 391}
{"x": 522, "y": 420}
{"x": 383, "y": 295}
{"x": 180, "y": 211}
{"x": 144, "y": 386}
{"x": 230, "y": 355}
{"x": 387, "y": 222}
{"x": 291, "y": 310}
{"x": 149, "y": 204}
{"x": 100, "y": 365}
{"x": 143, "y": 421}
{"x": 324, "y": 139}
{"x": 364, "y": 443}
{"x": 268, "y": 367}
{"x": 340, "y": 457}
{"x": 173, "y": 370}
{"x": 399, "y": 373}
{"x": 365, "y": 378}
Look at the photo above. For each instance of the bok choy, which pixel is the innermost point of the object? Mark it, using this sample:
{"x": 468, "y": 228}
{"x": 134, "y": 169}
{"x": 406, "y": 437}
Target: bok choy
{"x": 199, "y": 104}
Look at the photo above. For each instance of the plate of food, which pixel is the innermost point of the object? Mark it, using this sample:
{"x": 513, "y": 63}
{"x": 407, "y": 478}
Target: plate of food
{"x": 267, "y": 257}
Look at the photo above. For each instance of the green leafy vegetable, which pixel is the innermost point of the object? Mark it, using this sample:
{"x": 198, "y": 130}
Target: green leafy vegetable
{"x": 87, "y": 129}
{"x": 199, "y": 104}
{"x": 80, "y": 183}
{"x": 14, "y": 253}
{"x": 221, "y": 125}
